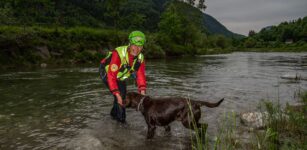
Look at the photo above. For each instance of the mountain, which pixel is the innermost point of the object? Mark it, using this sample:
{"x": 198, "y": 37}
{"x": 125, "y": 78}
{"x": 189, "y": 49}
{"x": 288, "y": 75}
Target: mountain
{"x": 215, "y": 27}
{"x": 211, "y": 24}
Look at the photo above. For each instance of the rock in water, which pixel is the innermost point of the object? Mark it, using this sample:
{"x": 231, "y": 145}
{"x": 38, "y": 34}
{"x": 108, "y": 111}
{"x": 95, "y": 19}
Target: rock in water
{"x": 254, "y": 119}
{"x": 291, "y": 76}
{"x": 43, "y": 65}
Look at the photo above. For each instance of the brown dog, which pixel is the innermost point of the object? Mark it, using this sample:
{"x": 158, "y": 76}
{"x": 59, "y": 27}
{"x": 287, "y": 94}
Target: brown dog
{"x": 161, "y": 112}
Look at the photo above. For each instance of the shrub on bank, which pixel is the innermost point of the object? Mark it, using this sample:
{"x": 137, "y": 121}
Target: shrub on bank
{"x": 77, "y": 45}
{"x": 19, "y": 44}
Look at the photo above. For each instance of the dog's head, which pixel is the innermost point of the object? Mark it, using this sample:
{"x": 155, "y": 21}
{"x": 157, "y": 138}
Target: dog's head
{"x": 133, "y": 99}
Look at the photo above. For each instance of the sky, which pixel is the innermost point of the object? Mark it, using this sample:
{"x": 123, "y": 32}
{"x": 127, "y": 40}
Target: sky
{"x": 241, "y": 16}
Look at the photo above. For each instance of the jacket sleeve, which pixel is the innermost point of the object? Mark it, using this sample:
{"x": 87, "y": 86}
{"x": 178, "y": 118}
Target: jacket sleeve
{"x": 140, "y": 77}
{"x": 112, "y": 72}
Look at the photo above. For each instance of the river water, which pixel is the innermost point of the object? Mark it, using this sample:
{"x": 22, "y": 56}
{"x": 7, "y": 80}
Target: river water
{"x": 68, "y": 107}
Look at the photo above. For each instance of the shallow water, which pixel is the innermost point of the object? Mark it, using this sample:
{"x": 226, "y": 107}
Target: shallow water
{"x": 67, "y": 107}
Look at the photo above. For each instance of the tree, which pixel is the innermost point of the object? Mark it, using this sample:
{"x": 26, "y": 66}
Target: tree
{"x": 171, "y": 24}
{"x": 138, "y": 14}
{"x": 201, "y": 5}
{"x": 250, "y": 42}
{"x": 287, "y": 33}
{"x": 191, "y": 2}
{"x": 251, "y": 33}
{"x": 179, "y": 35}
{"x": 6, "y": 15}
{"x": 221, "y": 42}
{"x": 112, "y": 13}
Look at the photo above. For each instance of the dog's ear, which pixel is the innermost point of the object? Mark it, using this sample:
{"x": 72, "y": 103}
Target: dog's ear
{"x": 131, "y": 99}
{"x": 132, "y": 95}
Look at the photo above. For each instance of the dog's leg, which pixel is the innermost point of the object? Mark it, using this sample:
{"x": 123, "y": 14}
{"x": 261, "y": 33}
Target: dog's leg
{"x": 191, "y": 121}
{"x": 167, "y": 128}
{"x": 186, "y": 122}
{"x": 150, "y": 127}
{"x": 151, "y": 131}
{"x": 197, "y": 115}
{"x": 185, "y": 119}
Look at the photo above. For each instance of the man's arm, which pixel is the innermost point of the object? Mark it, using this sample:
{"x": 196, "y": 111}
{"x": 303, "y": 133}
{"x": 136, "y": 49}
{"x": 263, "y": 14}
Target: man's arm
{"x": 112, "y": 76}
{"x": 141, "y": 79}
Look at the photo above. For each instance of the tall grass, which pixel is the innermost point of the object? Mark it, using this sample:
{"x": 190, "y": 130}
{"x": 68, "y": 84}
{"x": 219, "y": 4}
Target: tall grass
{"x": 199, "y": 139}
{"x": 286, "y": 129}
{"x": 226, "y": 138}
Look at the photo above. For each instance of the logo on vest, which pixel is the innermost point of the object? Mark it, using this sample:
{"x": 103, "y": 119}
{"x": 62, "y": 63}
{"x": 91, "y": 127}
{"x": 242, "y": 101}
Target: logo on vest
{"x": 114, "y": 67}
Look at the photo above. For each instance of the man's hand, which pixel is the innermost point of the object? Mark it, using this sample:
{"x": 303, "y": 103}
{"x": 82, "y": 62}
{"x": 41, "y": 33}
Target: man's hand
{"x": 119, "y": 99}
{"x": 143, "y": 92}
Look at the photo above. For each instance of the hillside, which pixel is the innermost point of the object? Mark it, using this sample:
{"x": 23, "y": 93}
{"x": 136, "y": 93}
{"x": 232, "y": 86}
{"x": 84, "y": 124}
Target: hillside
{"x": 215, "y": 27}
{"x": 77, "y": 31}
{"x": 122, "y": 14}
{"x": 291, "y": 35}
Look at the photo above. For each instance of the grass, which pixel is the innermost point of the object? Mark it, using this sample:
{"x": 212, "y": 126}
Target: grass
{"x": 200, "y": 138}
{"x": 286, "y": 129}
{"x": 226, "y": 138}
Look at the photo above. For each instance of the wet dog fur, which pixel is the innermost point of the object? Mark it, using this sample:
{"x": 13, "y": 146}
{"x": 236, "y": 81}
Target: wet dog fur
{"x": 163, "y": 111}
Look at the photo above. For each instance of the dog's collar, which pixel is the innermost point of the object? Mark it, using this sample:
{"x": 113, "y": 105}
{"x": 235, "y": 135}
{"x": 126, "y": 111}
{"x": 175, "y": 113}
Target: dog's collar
{"x": 141, "y": 103}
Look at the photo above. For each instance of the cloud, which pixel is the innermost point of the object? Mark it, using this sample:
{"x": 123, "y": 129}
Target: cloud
{"x": 240, "y": 16}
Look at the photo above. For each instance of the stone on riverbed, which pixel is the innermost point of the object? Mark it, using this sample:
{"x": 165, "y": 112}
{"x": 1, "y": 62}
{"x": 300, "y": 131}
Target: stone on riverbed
{"x": 292, "y": 76}
{"x": 43, "y": 65}
{"x": 255, "y": 120}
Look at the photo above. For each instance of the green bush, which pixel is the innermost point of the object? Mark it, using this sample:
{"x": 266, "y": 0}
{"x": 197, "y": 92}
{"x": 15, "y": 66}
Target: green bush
{"x": 63, "y": 43}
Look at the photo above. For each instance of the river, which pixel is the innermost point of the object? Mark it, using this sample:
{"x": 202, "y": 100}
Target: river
{"x": 68, "y": 107}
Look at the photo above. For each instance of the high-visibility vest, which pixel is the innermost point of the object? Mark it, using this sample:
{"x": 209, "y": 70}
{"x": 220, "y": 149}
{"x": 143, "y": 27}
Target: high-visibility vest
{"x": 125, "y": 70}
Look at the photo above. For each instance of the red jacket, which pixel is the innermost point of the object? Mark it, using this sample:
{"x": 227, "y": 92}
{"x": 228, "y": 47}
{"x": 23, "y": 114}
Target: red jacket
{"x": 112, "y": 73}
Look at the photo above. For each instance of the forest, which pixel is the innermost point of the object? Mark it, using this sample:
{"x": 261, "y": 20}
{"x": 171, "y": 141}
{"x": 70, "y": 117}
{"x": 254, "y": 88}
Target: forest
{"x": 76, "y": 31}
{"x": 287, "y": 35}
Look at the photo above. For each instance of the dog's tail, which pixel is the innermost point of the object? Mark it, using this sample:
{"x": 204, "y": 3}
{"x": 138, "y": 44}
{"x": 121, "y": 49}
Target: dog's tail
{"x": 208, "y": 104}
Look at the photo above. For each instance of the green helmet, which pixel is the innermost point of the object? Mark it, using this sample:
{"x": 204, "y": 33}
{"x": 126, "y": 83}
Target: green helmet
{"x": 137, "y": 38}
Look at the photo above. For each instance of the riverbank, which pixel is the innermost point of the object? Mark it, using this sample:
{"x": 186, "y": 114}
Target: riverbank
{"x": 283, "y": 128}
{"x": 28, "y": 46}
{"x": 290, "y": 48}
{"x": 36, "y": 46}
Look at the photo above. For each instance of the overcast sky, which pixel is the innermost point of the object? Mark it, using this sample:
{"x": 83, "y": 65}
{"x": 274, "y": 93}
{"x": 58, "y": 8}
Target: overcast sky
{"x": 240, "y": 16}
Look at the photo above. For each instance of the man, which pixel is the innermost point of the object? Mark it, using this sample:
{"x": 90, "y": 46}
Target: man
{"x": 122, "y": 63}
